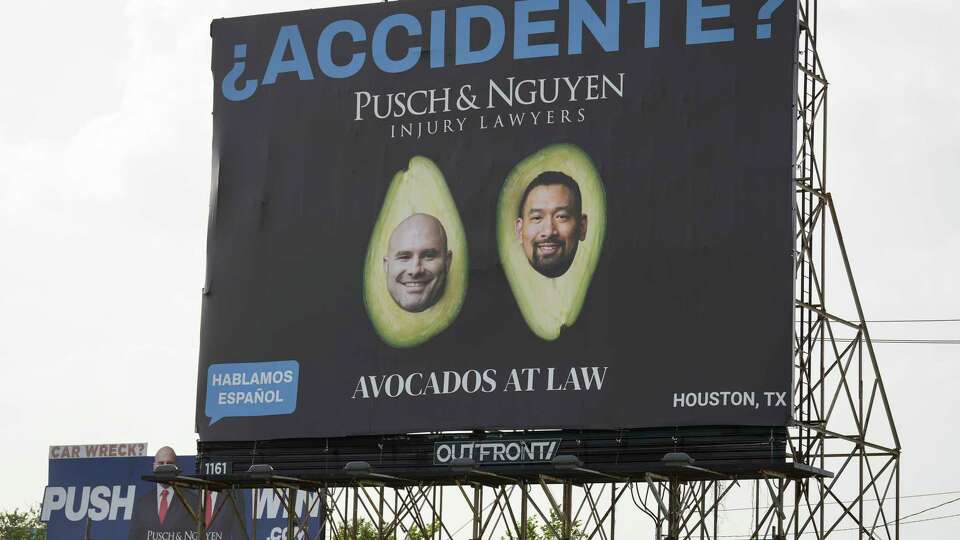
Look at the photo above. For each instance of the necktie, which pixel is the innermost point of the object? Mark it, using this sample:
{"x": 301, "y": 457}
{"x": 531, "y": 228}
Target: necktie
{"x": 164, "y": 505}
{"x": 208, "y": 505}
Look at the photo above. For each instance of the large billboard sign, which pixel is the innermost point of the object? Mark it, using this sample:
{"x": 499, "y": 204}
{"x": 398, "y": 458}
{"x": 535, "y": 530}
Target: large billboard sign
{"x": 498, "y": 214}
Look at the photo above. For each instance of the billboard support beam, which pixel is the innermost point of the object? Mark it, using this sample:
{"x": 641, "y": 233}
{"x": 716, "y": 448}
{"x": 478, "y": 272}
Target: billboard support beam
{"x": 836, "y": 387}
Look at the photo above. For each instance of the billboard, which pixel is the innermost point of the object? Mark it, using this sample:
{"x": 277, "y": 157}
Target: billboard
{"x": 500, "y": 214}
{"x": 106, "y": 499}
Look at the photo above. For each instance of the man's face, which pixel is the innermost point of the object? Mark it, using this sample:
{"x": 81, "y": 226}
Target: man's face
{"x": 549, "y": 229}
{"x": 165, "y": 456}
{"x": 417, "y": 262}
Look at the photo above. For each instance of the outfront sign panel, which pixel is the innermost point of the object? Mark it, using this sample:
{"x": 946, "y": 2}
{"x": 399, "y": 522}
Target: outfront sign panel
{"x": 534, "y": 214}
{"x": 496, "y": 452}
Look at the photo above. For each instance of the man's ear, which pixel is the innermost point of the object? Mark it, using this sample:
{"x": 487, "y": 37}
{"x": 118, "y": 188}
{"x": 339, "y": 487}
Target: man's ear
{"x": 449, "y": 260}
{"x": 583, "y": 227}
{"x": 518, "y": 227}
{"x": 385, "y": 265}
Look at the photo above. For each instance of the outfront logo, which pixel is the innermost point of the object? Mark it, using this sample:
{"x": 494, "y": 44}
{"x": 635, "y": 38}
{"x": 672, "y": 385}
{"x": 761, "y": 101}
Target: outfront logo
{"x": 496, "y": 452}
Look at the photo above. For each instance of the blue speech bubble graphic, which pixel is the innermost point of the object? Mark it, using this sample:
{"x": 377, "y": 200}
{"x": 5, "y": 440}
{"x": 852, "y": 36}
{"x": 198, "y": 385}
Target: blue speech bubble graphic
{"x": 252, "y": 389}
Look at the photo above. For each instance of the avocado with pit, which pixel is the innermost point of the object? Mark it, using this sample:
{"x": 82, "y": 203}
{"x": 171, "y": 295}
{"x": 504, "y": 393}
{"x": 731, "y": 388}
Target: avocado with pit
{"x": 550, "y": 302}
{"x": 412, "y": 289}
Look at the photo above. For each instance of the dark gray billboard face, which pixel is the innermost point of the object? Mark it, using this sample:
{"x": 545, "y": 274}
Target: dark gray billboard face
{"x": 535, "y": 214}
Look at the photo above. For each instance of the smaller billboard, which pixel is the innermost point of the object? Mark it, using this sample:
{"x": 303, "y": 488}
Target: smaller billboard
{"x": 105, "y": 498}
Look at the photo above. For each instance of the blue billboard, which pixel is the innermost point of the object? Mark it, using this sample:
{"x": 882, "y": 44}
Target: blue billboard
{"x": 107, "y": 499}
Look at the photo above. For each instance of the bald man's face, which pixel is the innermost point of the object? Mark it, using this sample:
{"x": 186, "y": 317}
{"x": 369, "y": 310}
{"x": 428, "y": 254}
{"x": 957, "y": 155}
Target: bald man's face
{"x": 165, "y": 456}
{"x": 417, "y": 263}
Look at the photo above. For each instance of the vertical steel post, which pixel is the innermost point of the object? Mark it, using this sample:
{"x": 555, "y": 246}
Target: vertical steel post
{"x": 356, "y": 503}
{"x": 613, "y": 511}
{"x": 291, "y": 513}
{"x": 322, "y": 533}
{"x": 380, "y": 491}
{"x": 673, "y": 511}
{"x": 477, "y": 511}
{"x": 201, "y": 522}
{"x": 523, "y": 510}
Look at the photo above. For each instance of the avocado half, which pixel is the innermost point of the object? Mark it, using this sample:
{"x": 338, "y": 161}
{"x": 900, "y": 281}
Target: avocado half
{"x": 420, "y": 189}
{"x": 549, "y": 304}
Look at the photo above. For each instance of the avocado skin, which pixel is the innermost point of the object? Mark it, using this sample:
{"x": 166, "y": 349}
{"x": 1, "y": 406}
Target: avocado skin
{"x": 550, "y": 304}
{"x": 420, "y": 189}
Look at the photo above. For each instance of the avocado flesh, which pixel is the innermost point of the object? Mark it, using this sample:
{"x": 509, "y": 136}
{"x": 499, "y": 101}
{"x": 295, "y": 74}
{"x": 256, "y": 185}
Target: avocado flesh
{"x": 549, "y": 304}
{"x": 420, "y": 189}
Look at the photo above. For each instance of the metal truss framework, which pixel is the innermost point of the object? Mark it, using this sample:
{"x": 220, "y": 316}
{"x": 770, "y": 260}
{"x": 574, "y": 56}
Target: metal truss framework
{"x": 842, "y": 424}
{"x": 843, "y": 419}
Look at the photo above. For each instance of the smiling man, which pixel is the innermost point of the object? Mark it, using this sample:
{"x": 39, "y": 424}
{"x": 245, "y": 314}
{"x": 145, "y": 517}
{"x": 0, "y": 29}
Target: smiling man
{"x": 417, "y": 262}
{"x": 550, "y": 225}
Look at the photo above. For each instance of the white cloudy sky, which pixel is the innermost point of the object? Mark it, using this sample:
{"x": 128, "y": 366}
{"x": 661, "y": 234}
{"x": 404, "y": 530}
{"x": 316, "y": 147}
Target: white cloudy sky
{"x": 104, "y": 179}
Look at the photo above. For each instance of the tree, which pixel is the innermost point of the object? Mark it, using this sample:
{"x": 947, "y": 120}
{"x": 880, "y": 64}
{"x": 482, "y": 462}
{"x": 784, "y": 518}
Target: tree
{"x": 542, "y": 531}
{"x": 414, "y": 532}
{"x": 532, "y": 531}
{"x": 26, "y": 525}
{"x": 366, "y": 530}
{"x": 359, "y": 530}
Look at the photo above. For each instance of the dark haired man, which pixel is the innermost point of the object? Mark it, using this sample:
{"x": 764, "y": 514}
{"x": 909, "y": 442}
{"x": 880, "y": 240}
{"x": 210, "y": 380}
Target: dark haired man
{"x": 550, "y": 224}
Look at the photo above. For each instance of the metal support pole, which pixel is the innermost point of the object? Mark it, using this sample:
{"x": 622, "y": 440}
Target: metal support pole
{"x": 201, "y": 522}
{"x": 613, "y": 511}
{"x": 291, "y": 514}
{"x": 673, "y": 510}
{"x": 322, "y": 533}
{"x": 523, "y": 510}
{"x": 380, "y": 513}
{"x": 477, "y": 511}
{"x": 703, "y": 509}
{"x": 356, "y": 503}
{"x": 716, "y": 504}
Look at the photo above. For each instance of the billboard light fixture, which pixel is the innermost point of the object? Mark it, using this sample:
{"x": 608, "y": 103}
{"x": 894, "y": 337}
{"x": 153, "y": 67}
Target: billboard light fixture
{"x": 570, "y": 462}
{"x": 682, "y": 460}
{"x": 566, "y": 462}
{"x": 677, "y": 459}
{"x": 462, "y": 465}
{"x": 167, "y": 471}
{"x": 260, "y": 470}
{"x": 468, "y": 466}
{"x": 357, "y": 468}
{"x": 362, "y": 469}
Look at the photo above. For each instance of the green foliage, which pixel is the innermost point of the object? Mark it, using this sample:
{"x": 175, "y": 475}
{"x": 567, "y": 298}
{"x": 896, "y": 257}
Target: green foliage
{"x": 415, "y": 534}
{"x": 542, "y": 531}
{"x": 26, "y": 525}
{"x": 359, "y": 530}
{"x": 365, "y": 530}
{"x": 429, "y": 532}
{"x": 533, "y": 532}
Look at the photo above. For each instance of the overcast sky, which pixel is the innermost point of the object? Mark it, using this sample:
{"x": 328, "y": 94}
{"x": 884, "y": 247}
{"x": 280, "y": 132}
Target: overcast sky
{"x": 105, "y": 139}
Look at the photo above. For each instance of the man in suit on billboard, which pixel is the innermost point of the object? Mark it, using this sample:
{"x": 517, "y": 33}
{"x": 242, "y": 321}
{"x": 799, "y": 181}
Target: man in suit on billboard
{"x": 161, "y": 511}
{"x": 220, "y": 516}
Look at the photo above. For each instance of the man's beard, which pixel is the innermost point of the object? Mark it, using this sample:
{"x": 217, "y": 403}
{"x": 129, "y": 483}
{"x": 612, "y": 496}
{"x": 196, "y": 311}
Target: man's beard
{"x": 555, "y": 267}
